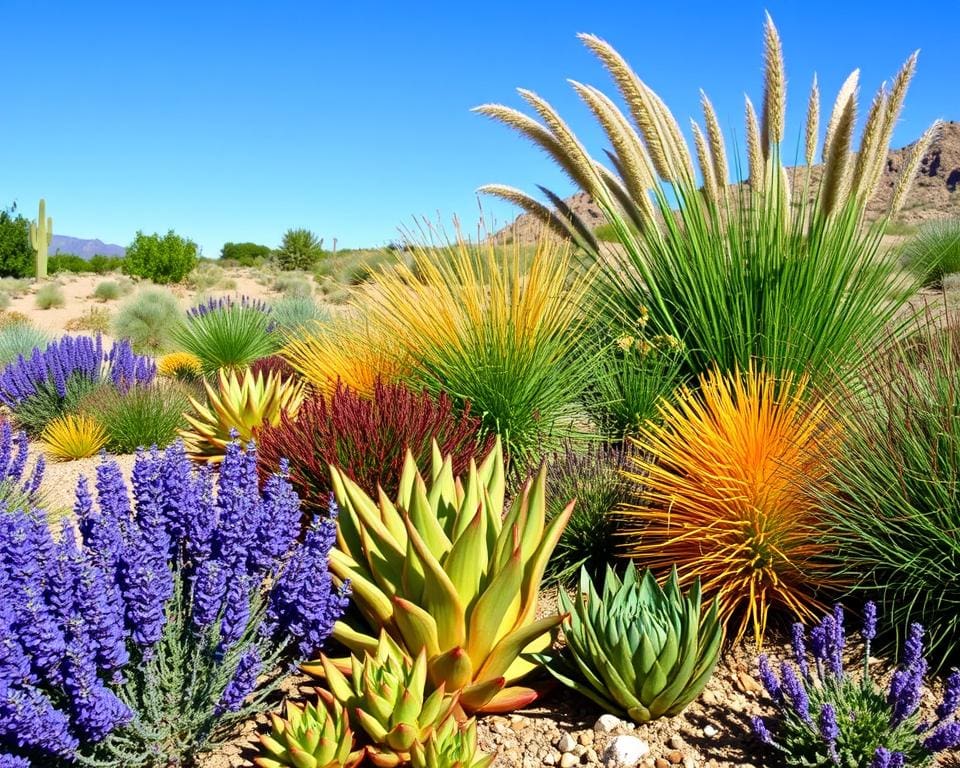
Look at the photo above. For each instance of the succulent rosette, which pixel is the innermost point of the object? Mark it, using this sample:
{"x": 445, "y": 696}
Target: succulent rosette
{"x": 310, "y": 736}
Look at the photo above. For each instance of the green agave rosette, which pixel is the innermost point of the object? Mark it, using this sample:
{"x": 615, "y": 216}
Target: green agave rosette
{"x": 453, "y": 745}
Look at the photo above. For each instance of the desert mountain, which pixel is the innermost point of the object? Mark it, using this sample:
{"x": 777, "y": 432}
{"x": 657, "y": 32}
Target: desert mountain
{"x": 935, "y": 193}
{"x": 84, "y": 248}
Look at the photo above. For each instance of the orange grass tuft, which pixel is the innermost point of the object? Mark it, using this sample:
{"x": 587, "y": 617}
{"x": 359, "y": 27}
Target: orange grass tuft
{"x": 722, "y": 494}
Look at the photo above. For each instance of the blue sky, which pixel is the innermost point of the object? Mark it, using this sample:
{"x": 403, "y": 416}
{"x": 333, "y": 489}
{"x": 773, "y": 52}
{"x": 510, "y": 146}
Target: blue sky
{"x": 234, "y": 121}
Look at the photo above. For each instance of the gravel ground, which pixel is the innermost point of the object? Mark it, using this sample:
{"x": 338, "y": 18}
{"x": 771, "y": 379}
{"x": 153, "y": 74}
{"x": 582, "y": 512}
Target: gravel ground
{"x": 60, "y": 478}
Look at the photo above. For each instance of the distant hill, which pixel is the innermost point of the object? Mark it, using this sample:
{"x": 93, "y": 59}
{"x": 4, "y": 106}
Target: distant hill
{"x": 935, "y": 193}
{"x": 84, "y": 248}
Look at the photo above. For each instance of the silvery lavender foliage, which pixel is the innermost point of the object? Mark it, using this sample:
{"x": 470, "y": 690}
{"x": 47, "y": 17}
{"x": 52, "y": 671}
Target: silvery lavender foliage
{"x": 143, "y": 635}
{"x": 829, "y": 717}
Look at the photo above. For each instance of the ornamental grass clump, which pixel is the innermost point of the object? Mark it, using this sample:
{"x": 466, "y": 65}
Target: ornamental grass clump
{"x": 892, "y": 506}
{"x": 73, "y": 436}
{"x": 20, "y": 338}
{"x": 143, "y": 417}
{"x": 723, "y": 493}
{"x": 228, "y": 333}
{"x": 446, "y": 570}
{"x": 636, "y": 648}
{"x": 39, "y": 388}
{"x": 494, "y": 328}
{"x": 934, "y": 252}
{"x": 778, "y": 267}
{"x": 183, "y": 366}
{"x": 144, "y": 637}
{"x": 238, "y": 407}
{"x": 367, "y": 439}
{"x": 827, "y": 716}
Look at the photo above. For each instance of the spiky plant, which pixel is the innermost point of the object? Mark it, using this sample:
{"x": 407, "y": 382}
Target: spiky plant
{"x": 934, "y": 251}
{"x": 228, "y": 333}
{"x": 721, "y": 494}
{"x": 236, "y": 408}
{"x": 74, "y": 436}
{"x": 490, "y": 327}
{"x": 778, "y": 268}
{"x": 184, "y": 366}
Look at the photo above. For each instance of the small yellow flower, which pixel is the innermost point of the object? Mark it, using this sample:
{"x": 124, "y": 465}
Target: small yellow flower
{"x": 667, "y": 341}
{"x": 644, "y": 317}
{"x": 643, "y": 347}
{"x": 625, "y": 342}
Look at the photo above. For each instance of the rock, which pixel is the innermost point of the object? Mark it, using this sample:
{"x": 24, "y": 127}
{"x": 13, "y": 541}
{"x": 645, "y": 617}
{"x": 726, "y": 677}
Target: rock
{"x": 590, "y": 757}
{"x": 661, "y": 763}
{"x": 585, "y": 738}
{"x": 675, "y": 757}
{"x": 607, "y": 723}
{"x": 518, "y": 722}
{"x": 709, "y": 731}
{"x": 568, "y": 760}
{"x": 676, "y": 741}
{"x": 565, "y": 743}
{"x": 747, "y": 683}
{"x": 689, "y": 762}
{"x": 710, "y": 698}
{"x": 625, "y": 752}
{"x": 550, "y": 759}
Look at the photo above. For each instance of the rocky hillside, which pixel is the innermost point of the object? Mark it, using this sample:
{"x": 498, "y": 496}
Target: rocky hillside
{"x": 935, "y": 193}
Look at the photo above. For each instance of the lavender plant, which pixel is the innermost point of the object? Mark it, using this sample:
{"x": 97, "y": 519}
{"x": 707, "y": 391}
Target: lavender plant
{"x": 143, "y": 636}
{"x": 828, "y": 717}
{"x": 48, "y": 383}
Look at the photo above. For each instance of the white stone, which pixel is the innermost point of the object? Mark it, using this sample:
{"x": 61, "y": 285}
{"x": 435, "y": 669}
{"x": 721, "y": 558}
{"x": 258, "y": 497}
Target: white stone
{"x": 568, "y": 760}
{"x": 550, "y": 759}
{"x": 607, "y": 723}
{"x": 676, "y": 742}
{"x": 625, "y": 752}
{"x": 566, "y": 743}
{"x": 710, "y": 731}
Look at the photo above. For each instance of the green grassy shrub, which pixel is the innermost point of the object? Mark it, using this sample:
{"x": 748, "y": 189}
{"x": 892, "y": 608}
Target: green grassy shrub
{"x": 899, "y": 229}
{"x": 94, "y": 320}
{"x": 67, "y": 262}
{"x": 207, "y": 276}
{"x": 293, "y": 285}
{"x": 13, "y": 286}
{"x": 4, "y": 301}
{"x": 20, "y": 338}
{"x": 245, "y": 254}
{"x": 295, "y": 312}
{"x": 108, "y": 290}
{"x": 228, "y": 333}
{"x": 34, "y": 413}
{"x": 140, "y": 418}
{"x": 934, "y": 252}
{"x": 49, "y": 296}
{"x": 894, "y": 511}
{"x": 101, "y": 265}
{"x": 161, "y": 258}
{"x": 148, "y": 320}
{"x": 592, "y": 475}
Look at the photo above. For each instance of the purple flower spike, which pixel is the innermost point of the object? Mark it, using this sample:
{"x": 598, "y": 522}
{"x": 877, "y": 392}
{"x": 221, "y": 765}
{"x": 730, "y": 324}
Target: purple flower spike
{"x": 243, "y": 681}
{"x": 799, "y": 642}
{"x": 760, "y": 730}
{"x": 869, "y": 621}
{"x": 946, "y": 736}
{"x": 769, "y": 678}
{"x": 818, "y": 643}
{"x": 881, "y": 758}
{"x": 913, "y": 648}
{"x": 951, "y": 696}
{"x": 11, "y": 761}
{"x": 797, "y": 693}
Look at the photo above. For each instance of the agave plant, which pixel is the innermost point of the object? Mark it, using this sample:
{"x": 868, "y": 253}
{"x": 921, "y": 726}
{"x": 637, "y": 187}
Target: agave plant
{"x": 443, "y": 570}
{"x": 235, "y": 409}
{"x": 637, "y": 648}
{"x": 310, "y": 736}
{"x": 452, "y": 745}
{"x": 386, "y": 695}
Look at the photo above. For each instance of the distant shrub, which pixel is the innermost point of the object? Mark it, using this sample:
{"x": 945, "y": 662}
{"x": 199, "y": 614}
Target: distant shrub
{"x": 49, "y": 296}
{"x": 245, "y": 254}
{"x": 206, "y": 276}
{"x": 20, "y": 339}
{"x": 228, "y": 333}
{"x": 899, "y": 229}
{"x": 934, "y": 251}
{"x": 14, "y": 286}
{"x": 161, "y": 258}
{"x": 101, "y": 265}
{"x": 12, "y": 317}
{"x": 367, "y": 438}
{"x": 147, "y": 320}
{"x": 67, "y": 262}
{"x": 293, "y": 285}
{"x": 108, "y": 290}
{"x": 94, "y": 320}
{"x": 16, "y": 255}
{"x": 139, "y": 418}
{"x": 300, "y": 249}
{"x": 594, "y": 477}
{"x": 295, "y": 312}
{"x": 4, "y": 301}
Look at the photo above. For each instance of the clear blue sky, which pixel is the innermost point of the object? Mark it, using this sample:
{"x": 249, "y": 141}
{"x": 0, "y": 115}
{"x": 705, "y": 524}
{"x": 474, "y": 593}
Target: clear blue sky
{"x": 234, "y": 121}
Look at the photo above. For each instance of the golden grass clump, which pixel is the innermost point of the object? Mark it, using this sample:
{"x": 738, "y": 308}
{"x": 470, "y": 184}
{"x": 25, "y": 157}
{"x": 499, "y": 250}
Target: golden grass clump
{"x": 240, "y": 403}
{"x": 74, "y": 436}
{"x": 721, "y": 494}
{"x": 185, "y": 366}
{"x": 349, "y": 350}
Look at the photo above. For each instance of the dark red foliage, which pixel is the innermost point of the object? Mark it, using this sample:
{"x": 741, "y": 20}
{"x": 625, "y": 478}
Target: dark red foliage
{"x": 367, "y": 438}
{"x": 273, "y": 364}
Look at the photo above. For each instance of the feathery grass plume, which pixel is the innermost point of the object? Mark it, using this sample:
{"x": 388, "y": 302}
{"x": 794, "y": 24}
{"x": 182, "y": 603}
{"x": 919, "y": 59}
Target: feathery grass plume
{"x": 73, "y": 436}
{"x": 348, "y": 350}
{"x": 813, "y": 123}
{"x": 755, "y": 165}
{"x": 706, "y": 164}
{"x": 847, "y": 92}
{"x": 774, "y": 89}
{"x": 718, "y": 151}
{"x": 898, "y": 93}
{"x": 745, "y": 276}
{"x": 720, "y": 494}
{"x": 868, "y": 158}
{"x": 550, "y": 219}
{"x": 909, "y": 172}
{"x": 490, "y": 327}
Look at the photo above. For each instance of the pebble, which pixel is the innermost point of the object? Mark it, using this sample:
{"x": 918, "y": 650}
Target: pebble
{"x": 585, "y": 738}
{"x": 625, "y": 752}
{"x": 676, "y": 742}
{"x": 689, "y": 762}
{"x": 568, "y": 760}
{"x": 550, "y": 759}
{"x": 607, "y": 723}
{"x": 675, "y": 757}
{"x": 518, "y": 722}
{"x": 661, "y": 763}
{"x": 710, "y": 731}
{"x": 565, "y": 743}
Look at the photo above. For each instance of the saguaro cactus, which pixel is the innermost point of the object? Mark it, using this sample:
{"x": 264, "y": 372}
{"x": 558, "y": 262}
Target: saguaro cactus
{"x": 41, "y": 234}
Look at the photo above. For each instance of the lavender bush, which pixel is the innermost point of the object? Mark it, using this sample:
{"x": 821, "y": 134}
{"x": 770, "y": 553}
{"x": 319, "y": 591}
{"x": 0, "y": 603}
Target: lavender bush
{"x": 142, "y": 637}
{"x": 43, "y": 386}
{"x": 827, "y": 717}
